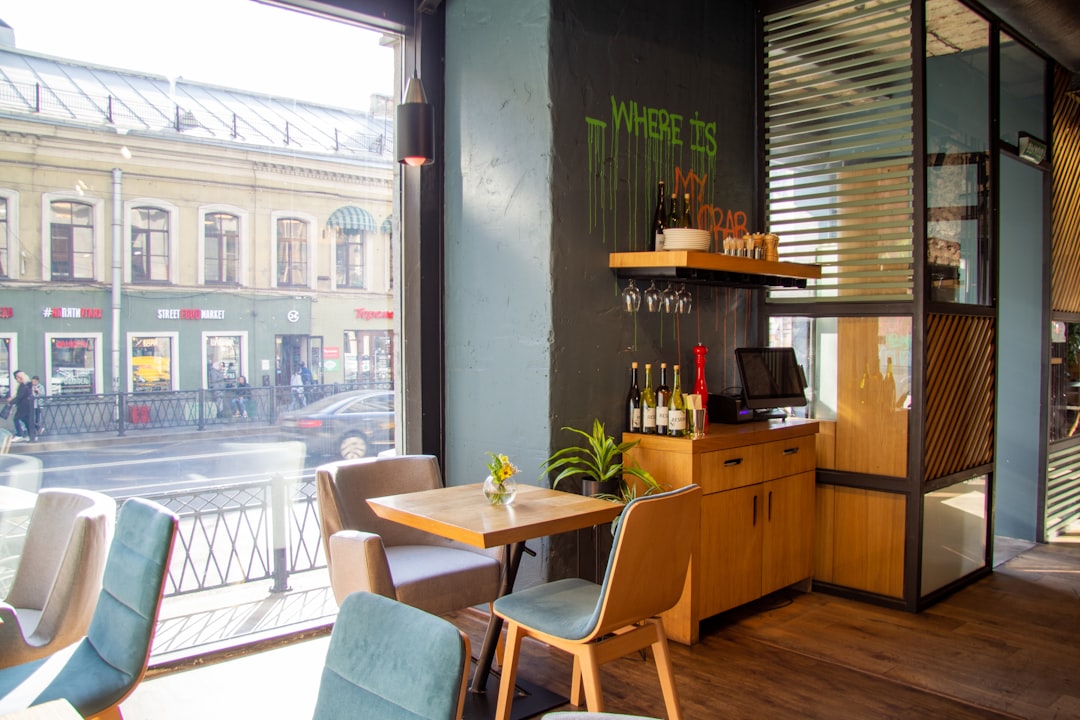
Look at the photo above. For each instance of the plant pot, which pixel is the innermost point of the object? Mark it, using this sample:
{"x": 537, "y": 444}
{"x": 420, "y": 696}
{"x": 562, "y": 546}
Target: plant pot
{"x": 592, "y": 488}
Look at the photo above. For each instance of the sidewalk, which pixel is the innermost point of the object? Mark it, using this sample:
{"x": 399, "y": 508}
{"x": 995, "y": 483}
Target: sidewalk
{"x": 47, "y": 442}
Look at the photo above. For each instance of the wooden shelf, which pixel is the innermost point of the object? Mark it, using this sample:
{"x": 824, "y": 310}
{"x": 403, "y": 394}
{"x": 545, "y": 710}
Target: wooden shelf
{"x": 714, "y": 268}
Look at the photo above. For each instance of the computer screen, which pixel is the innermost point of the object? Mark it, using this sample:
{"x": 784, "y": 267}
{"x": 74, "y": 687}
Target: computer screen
{"x": 771, "y": 378}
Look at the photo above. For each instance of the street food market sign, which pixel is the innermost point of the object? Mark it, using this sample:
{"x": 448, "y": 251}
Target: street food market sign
{"x": 189, "y": 314}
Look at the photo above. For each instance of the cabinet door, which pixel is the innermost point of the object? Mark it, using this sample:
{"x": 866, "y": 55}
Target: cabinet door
{"x": 731, "y": 536}
{"x": 788, "y": 544}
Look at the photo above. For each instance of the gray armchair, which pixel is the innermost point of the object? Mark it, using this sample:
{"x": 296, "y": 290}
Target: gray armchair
{"x": 366, "y": 553}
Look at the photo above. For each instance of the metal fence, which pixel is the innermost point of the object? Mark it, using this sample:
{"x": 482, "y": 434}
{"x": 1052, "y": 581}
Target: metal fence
{"x": 243, "y": 532}
{"x": 130, "y": 412}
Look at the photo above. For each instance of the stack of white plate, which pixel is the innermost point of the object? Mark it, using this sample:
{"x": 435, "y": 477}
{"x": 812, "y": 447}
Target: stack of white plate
{"x": 686, "y": 239}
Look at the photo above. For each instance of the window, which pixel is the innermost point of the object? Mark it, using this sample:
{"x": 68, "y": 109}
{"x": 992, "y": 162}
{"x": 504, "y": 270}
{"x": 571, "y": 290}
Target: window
{"x": 225, "y": 353}
{"x": 350, "y": 259}
{"x": 149, "y": 245}
{"x": 292, "y": 249}
{"x": 73, "y": 365}
{"x": 72, "y": 241}
{"x": 3, "y": 237}
{"x": 8, "y": 362}
{"x": 152, "y": 359}
{"x": 368, "y": 356}
{"x": 222, "y": 252}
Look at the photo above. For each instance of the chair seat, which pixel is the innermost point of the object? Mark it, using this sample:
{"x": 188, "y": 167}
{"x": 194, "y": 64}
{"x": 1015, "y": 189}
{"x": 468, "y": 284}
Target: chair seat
{"x": 442, "y": 579}
{"x": 566, "y": 608}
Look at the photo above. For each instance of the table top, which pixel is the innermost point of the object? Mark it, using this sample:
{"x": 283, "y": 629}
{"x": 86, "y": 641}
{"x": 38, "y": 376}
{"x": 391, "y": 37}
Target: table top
{"x": 52, "y": 710}
{"x": 460, "y": 512}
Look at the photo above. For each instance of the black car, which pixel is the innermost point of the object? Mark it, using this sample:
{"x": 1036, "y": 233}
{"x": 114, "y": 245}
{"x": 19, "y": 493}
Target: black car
{"x": 349, "y": 425}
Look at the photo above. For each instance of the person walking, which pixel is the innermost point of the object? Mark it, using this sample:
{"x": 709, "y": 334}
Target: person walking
{"x": 39, "y": 392}
{"x": 23, "y": 401}
{"x": 297, "y": 385}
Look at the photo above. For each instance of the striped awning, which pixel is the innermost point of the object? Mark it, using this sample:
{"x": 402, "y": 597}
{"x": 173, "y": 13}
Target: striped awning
{"x": 351, "y": 219}
{"x": 387, "y": 225}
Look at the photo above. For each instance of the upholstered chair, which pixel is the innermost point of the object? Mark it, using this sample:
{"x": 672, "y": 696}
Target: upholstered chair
{"x": 390, "y": 661}
{"x": 646, "y": 572}
{"x": 367, "y": 553}
{"x": 97, "y": 673}
{"x": 57, "y": 580}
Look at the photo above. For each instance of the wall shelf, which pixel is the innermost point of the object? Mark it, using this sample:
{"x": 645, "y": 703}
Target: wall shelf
{"x": 711, "y": 268}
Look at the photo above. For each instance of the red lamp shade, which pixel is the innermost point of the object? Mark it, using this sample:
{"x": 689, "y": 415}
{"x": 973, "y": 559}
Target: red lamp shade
{"x": 414, "y": 135}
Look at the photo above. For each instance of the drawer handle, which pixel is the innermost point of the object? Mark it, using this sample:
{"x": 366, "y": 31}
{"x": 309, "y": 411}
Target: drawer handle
{"x": 733, "y": 462}
{"x": 791, "y": 451}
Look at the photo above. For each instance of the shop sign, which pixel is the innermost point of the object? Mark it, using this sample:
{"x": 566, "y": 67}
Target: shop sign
{"x": 189, "y": 314}
{"x": 365, "y": 314}
{"x": 6, "y": 313}
{"x": 331, "y": 352}
{"x": 65, "y": 313}
{"x": 329, "y": 365}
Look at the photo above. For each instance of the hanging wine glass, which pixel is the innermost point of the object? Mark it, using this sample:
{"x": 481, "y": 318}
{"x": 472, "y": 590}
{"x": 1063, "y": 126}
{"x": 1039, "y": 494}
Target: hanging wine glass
{"x": 670, "y": 299}
{"x": 685, "y": 299}
{"x": 652, "y": 297}
{"x": 631, "y": 297}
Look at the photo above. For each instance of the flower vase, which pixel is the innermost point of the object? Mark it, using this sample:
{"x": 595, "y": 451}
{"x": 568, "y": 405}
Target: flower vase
{"x": 500, "y": 493}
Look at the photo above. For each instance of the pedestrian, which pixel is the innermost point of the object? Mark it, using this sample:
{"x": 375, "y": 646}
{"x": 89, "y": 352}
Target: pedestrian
{"x": 297, "y": 385}
{"x": 239, "y": 401}
{"x": 39, "y": 392}
{"x": 23, "y": 400}
{"x": 216, "y": 381}
{"x": 305, "y": 374}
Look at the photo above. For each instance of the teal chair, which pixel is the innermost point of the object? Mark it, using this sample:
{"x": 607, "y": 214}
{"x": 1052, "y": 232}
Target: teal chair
{"x": 98, "y": 672}
{"x": 646, "y": 573}
{"x": 392, "y": 661}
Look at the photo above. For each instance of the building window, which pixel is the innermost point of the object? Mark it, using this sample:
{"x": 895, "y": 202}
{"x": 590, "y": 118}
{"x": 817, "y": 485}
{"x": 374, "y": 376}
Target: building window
{"x": 221, "y": 257}
{"x": 72, "y": 240}
{"x": 152, "y": 361}
{"x": 292, "y": 252}
{"x": 7, "y": 364}
{"x": 224, "y": 354}
{"x": 350, "y": 260}
{"x": 73, "y": 364}
{"x": 149, "y": 245}
{"x": 3, "y": 237}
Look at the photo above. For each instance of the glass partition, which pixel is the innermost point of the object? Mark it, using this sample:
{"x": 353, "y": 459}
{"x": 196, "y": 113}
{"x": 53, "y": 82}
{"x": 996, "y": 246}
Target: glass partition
{"x": 1023, "y": 94}
{"x": 954, "y": 532}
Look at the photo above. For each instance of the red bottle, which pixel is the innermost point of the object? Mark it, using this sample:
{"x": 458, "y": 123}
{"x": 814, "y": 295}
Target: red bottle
{"x": 700, "y": 351}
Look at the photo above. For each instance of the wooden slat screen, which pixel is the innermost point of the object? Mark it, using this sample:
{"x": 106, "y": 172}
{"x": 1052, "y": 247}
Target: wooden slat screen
{"x": 960, "y": 370}
{"x": 1062, "y": 490}
{"x": 1065, "y": 216}
{"x": 839, "y": 129}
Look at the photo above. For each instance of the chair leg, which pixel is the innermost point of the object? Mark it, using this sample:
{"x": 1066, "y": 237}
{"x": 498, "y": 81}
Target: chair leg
{"x": 585, "y": 658}
{"x": 577, "y": 698}
{"x": 111, "y": 713}
{"x": 665, "y": 672}
{"x": 509, "y": 671}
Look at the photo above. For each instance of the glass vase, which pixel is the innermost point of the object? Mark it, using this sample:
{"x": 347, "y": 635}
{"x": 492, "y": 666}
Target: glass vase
{"x": 500, "y": 493}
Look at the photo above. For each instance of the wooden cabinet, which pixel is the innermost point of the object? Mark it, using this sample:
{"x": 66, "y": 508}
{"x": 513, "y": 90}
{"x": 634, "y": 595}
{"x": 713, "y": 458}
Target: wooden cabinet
{"x": 757, "y": 514}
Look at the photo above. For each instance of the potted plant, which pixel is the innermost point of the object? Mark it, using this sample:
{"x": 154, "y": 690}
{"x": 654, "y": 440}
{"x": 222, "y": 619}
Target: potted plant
{"x": 599, "y": 460}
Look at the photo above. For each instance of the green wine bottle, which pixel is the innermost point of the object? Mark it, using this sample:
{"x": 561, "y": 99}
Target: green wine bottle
{"x": 648, "y": 404}
{"x": 633, "y": 402}
{"x": 663, "y": 395}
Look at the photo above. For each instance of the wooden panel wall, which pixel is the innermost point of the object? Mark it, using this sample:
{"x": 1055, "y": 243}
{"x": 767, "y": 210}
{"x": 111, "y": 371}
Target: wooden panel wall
{"x": 859, "y": 539}
{"x": 960, "y": 370}
{"x": 1065, "y": 215}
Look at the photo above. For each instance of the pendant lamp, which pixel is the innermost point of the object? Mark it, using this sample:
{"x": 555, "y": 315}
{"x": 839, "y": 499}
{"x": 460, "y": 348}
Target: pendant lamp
{"x": 414, "y": 136}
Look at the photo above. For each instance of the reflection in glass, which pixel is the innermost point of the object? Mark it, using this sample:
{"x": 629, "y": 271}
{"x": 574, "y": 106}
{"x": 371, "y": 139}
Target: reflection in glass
{"x": 1064, "y": 379}
{"x": 1023, "y": 92}
{"x": 954, "y": 533}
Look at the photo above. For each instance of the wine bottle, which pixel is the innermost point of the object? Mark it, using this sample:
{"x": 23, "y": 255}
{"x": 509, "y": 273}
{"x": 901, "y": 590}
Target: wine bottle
{"x": 633, "y": 402}
{"x": 684, "y": 214}
{"x": 676, "y": 413}
{"x": 673, "y": 212}
{"x": 659, "y": 219}
{"x": 648, "y": 404}
{"x": 700, "y": 388}
{"x": 663, "y": 395}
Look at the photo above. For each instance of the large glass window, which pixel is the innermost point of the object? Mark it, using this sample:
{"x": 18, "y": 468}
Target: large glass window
{"x": 292, "y": 252}
{"x": 1023, "y": 93}
{"x": 954, "y": 536}
{"x": 152, "y": 359}
{"x": 72, "y": 240}
{"x": 958, "y": 146}
{"x": 1064, "y": 379}
{"x": 73, "y": 364}
{"x": 221, "y": 252}
{"x": 149, "y": 245}
{"x": 368, "y": 356}
{"x": 350, "y": 259}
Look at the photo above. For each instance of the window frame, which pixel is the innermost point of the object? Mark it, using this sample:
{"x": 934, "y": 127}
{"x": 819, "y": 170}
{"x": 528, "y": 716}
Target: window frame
{"x": 310, "y": 245}
{"x": 241, "y": 241}
{"x": 10, "y": 249}
{"x": 99, "y": 349}
{"x": 174, "y": 232}
{"x": 97, "y": 206}
{"x": 174, "y": 356}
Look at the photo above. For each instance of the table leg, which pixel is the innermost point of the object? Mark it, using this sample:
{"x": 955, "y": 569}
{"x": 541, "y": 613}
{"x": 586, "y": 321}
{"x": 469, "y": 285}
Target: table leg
{"x": 495, "y": 624}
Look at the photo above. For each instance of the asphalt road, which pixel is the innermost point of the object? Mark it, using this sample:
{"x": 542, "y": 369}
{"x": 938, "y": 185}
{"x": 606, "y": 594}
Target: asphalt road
{"x": 122, "y": 469}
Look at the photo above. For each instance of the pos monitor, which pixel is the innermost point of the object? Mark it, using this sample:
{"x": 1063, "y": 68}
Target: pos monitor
{"x": 771, "y": 378}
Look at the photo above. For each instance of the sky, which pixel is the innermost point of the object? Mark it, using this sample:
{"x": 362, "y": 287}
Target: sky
{"x": 233, "y": 43}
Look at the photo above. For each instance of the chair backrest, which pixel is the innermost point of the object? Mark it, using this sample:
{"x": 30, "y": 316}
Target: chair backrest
{"x": 343, "y": 488}
{"x": 60, "y": 570}
{"x": 389, "y": 660}
{"x": 124, "y": 621}
{"x": 649, "y": 558}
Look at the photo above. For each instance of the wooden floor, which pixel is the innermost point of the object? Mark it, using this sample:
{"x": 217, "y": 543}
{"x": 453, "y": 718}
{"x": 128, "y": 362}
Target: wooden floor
{"x": 1006, "y": 647}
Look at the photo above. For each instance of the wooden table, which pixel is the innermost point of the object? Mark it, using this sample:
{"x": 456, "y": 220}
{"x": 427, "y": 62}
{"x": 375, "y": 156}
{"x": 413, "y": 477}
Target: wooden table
{"x": 460, "y": 512}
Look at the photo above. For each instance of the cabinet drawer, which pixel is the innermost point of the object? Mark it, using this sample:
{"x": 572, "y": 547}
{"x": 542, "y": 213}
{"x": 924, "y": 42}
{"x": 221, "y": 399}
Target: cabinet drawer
{"x": 787, "y": 457}
{"x": 727, "y": 469}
